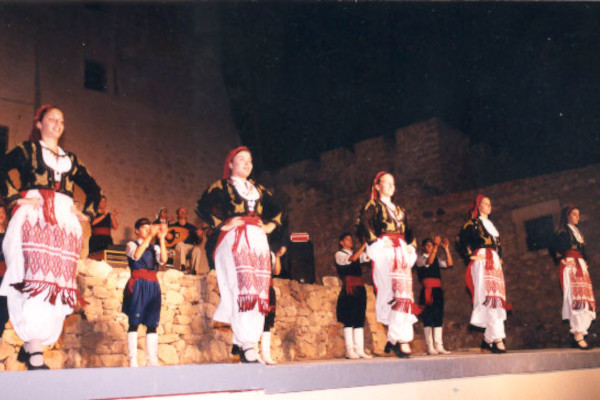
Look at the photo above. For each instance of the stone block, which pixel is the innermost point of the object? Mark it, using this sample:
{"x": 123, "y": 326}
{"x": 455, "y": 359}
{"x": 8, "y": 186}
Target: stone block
{"x": 10, "y": 337}
{"x": 101, "y": 292}
{"x": 168, "y": 338}
{"x": 174, "y": 298}
{"x": 167, "y": 354}
{"x": 181, "y": 329}
{"x": 6, "y": 350}
{"x": 114, "y": 360}
{"x": 332, "y": 281}
{"x": 183, "y": 319}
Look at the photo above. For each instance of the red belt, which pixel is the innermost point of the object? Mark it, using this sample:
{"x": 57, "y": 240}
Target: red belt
{"x": 141, "y": 274}
{"x": 352, "y": 281}
{"x": 573, "y": 253}
{"x": 429, "y": 284}
{"x": 101, "y": 231}
{"x": 47, "y": 207}
{"x": 2, "y": 268}
{"x": 239, "y": 231}
{"x": 394, "y": 237}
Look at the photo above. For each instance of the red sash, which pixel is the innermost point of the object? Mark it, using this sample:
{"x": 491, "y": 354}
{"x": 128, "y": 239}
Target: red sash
{"x": 351, "y": 281}
{"x": 429, "y": 284}
{"x": 101, "y": 231}
{"x": 143, "y": 273}
{"x": 47, "y": 207}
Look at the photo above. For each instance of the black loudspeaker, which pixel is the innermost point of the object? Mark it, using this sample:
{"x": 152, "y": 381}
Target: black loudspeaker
{"x": 299, "y": 262}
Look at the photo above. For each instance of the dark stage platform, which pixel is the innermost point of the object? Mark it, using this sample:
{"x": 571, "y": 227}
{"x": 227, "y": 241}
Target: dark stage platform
{"x": 200, "y": 381}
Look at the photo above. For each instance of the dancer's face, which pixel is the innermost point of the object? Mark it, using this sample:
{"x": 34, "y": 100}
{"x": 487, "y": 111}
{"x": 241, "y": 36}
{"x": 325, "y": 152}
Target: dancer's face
{"x": 386, "y": 186}
{"x": 573, "y": 218}
{"x": 241, "y": 165}
{"x": 347, "y": 242}
{"x": 2, "y": 216}
{"x": 485, "y": 207}
{"x": 144, "y": 230}
{"x": 428, "y": 248}
{"x": 52, "y": 125}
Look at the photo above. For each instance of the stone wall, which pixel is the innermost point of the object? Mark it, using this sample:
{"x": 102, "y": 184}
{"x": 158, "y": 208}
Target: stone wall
{"x": 324, "y": 199}
{"x": 96, "y": 334}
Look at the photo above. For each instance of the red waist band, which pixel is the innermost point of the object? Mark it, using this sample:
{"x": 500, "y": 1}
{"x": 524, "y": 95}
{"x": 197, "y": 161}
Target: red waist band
{"x": 141, "y": 274}
{"x": 573, "y": 254}
{"x": 429, "y": 284}
{"x": 351, "y": 281}
{"x": 101, "y": 231}
{"x": 394, "y": 237}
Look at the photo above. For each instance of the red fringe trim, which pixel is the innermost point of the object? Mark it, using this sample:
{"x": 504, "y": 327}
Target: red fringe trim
{"x": 494, "y": 302}
{"x": 67, "y": 296}
{"x": 406, "y": 306}
{"x": 263, "y": 306}
{"x": 582, "y": 304}
{"x": 247, "y": 302}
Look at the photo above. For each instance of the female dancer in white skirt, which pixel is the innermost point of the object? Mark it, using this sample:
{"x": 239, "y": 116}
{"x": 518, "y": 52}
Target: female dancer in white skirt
{"x": 43, "y": 239}
{"x": 242, "y": 213}
{"x": 383, "y": 225}
{"x": 479, "y": 246}
{"x": 579, "y": 303}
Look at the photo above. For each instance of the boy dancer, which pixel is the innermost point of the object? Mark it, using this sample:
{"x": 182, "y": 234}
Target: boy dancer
{"x": 432, "y": 296}
{"x": 141, "y": 297}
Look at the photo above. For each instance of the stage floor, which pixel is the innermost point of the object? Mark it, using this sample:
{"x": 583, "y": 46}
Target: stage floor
{"x": 309, "y": 376}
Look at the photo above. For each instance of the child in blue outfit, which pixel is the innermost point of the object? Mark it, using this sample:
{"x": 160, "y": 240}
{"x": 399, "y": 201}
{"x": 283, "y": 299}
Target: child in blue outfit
{"x": 141, "y": 297}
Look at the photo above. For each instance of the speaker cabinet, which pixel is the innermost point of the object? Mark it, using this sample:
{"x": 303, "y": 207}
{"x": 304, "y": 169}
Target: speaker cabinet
{"x": 299, "y": 262}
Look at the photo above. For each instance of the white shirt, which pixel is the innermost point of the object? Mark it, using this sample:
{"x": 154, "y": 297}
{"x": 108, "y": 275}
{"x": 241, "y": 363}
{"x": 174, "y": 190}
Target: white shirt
{"x": 246, "y": 190}
{"x": 132, "y": 246}
{"x": 342, "y": 257}
{"x": 59, "y": 165}
{"x": 489, "y": 227}
{"x": 422, "y": 261}
{"x": 576, "y": 233}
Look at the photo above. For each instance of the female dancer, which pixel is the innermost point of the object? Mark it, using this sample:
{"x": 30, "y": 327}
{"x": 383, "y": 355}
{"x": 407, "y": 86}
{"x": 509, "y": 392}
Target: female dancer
{"x": 102, "y": 223}
{"x": 579, "y": 304}
{"x": 44, "y": 229}
{"x": 479, "y": 246}
{"x": 241, "y": 213}
{"x": 3, "y": 306}
{"x": 383, "y": 225}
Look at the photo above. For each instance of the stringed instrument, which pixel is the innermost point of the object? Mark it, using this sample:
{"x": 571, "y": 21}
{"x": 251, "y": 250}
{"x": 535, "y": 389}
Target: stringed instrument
{"x": 176, "y": 234}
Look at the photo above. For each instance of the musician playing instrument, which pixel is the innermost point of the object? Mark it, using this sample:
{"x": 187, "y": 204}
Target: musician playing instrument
{"x": 187, "y": 239}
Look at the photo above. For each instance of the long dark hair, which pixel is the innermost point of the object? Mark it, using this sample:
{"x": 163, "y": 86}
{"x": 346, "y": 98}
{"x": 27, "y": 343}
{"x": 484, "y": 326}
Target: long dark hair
{"x": 564, "y": 214}
{"x": 35, "y": 134}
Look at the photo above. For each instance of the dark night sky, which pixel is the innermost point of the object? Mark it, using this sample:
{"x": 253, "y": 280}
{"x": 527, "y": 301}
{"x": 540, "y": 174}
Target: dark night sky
{"x": 524, "y": 78}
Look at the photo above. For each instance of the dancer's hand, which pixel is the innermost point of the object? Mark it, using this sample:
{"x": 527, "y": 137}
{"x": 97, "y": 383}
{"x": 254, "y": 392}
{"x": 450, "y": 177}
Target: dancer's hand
{"x": 233, "y": 223}
{"x": 267, "y": 228}
{"x": 163, "y": 229}
{"x": 34, "y": 201}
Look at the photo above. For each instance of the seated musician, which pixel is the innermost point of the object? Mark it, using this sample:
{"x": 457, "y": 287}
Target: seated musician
{"x": 186, "y": 239}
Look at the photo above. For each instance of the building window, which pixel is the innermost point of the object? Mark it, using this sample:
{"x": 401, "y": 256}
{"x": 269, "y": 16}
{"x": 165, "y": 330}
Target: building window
{"x": 95, "y": 76}
{"x": 534, "y": 226}
{"x": 3, "y": 139}
{"x": 539, "y": 232}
